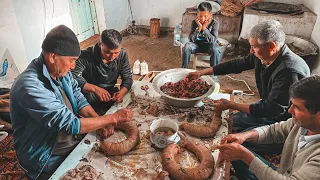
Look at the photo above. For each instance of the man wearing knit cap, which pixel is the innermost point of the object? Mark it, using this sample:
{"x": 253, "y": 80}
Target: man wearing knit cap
{"x": 47, "y": 107}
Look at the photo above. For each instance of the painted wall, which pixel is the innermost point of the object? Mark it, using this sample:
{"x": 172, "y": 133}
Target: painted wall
{"x": 116, "y": 14}
{"x": 170, "y": 11}
{"x": 24, "y": 24}
{"x": 10, "y": 36}
{"x": 314, "y": 6}
{"x": 36, "y": 18}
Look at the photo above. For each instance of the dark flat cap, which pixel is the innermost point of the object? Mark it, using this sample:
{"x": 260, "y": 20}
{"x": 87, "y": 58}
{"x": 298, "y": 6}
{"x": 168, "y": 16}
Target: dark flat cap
{"x": 61, "y": 40}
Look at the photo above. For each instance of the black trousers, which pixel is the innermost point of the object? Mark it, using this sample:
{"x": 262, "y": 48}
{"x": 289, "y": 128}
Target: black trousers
{"x": 100, "y": 107}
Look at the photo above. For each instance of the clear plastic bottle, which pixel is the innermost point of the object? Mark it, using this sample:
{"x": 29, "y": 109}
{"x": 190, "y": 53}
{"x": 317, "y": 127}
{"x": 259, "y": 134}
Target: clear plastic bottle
{"x": 136, "y": 67}
{"x": 177, "y": 36}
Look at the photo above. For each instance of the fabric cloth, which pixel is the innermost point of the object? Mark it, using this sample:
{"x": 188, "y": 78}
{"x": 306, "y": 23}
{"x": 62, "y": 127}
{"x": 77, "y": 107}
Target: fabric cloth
{"x": 90, "y": 68}
{"x": 273, "y": 82}
{"x": 65, "y": 142}
{"x": 61, "y": 40}
{"x": 205, "y": 42}
{"x": 38, "y": 114}
{"x": 304, "y": 140}
{"x": 295, "y": 164}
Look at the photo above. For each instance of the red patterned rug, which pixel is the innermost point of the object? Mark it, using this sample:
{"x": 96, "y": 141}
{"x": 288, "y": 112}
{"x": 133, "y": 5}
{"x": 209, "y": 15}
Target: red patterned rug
{"x": 9, "y": 166}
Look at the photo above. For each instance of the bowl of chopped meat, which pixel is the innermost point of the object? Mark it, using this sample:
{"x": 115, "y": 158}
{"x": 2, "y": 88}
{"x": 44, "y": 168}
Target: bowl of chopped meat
{"x": 179, "y": 91}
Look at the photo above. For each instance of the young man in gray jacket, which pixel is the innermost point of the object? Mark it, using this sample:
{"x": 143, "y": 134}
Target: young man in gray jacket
{"x": 98, "y": 69}
{"x": 300, "y": 134}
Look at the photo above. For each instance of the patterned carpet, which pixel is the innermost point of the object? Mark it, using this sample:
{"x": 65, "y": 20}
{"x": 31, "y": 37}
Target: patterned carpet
{"x": 9, "y": 166}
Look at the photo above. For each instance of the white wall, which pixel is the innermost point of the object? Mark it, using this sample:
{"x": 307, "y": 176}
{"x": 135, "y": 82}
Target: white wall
{"x": 170, "y": 11}
{"x": 116, "y": 14}
{"x": 314, "y": 6}
{"x": 24, "y": 24}
{"x": 36, "y": 17}
{"x": 10, "y": 36}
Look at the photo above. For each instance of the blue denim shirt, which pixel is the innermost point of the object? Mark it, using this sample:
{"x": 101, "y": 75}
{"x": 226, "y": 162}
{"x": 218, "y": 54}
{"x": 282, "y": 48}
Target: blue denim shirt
{"x": 38, "y": 114}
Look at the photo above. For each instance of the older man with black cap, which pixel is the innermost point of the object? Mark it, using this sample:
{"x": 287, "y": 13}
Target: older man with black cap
{"x": 48, "y": 110}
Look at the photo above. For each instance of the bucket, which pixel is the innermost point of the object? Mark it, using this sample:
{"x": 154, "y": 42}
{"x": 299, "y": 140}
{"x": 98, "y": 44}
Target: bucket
{"x": 154, "y": 28}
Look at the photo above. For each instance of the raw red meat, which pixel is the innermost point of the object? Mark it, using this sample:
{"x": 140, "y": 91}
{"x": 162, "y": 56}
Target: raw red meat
{"x": 186, "y": 88}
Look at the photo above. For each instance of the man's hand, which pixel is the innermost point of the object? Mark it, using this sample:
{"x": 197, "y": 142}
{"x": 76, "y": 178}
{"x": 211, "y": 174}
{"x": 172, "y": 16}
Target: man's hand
{"x": 199, "y": 24}
{"x": 235, "y": 151}
{"x": 194, "y": 75}
{"x": 106, "y": 132}
{"x": 118, "y": 96}
{"x": 222, "y": 104}
{"x": 239, "y": 138}
{"x": 234, "y": 138}
{"x": 102, "y": 94}
{"x": 124, "y": 115}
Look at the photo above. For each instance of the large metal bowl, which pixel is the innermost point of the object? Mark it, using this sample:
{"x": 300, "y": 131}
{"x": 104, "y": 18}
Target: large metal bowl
{"x": 175, "y": 75}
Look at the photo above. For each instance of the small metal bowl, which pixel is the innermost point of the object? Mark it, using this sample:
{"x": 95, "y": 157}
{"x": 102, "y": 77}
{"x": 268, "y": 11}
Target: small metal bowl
{"x": 175, "y": 75}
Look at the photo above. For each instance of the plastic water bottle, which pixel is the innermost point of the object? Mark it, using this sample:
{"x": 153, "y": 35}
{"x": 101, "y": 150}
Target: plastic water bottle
{"x": 177, "y": 36}
{"x": 136, "y": 67}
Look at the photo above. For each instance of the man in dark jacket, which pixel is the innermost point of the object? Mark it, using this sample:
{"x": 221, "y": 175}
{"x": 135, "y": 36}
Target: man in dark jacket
{"x": 98, "y": 69}
{"x": 276, "y": 68}
{"x": 203, "y": 36}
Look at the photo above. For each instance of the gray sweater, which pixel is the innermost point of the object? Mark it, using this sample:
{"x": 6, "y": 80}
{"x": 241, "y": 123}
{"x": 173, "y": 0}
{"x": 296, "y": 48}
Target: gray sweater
{"x": 303, "y": 164}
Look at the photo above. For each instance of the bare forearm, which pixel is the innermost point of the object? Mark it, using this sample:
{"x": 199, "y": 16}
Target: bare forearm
{"x": 251, "y": 136}
{"x": 123, "y": 90}
{"x": 240, "y": 107}
{"x": 92, "y": 124}
{"x": 248, "y": 157}
{"x": 89, "y": 88}
{"x": 87, "y": 112}
{"x": 207, "y": 71}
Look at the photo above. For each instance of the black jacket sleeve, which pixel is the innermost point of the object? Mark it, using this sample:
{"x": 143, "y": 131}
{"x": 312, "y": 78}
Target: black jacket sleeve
{"x": 211, "y": 34}
{"x": 194, "y": 31}
{"x": 278, "y": 98}
{"x": 125, "y": 72}
{"x": 81, "y": 65}
{"x": 235, "y": 66}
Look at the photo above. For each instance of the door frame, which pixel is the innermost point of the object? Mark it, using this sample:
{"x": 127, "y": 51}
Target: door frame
{"x": 97, "y": 15}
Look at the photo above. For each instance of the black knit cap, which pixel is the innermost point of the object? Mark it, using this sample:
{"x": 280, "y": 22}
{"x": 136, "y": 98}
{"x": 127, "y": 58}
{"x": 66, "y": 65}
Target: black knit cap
{"x": 61, "y": 40}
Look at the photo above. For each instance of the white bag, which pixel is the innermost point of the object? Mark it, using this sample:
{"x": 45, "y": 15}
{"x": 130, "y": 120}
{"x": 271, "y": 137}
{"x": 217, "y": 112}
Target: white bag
{"x": 136, "y": 67}
{"x": 144, "y": 68}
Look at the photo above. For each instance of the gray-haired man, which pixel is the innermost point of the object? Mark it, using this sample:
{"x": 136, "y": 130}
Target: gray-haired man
{"x": 276, "y": 68}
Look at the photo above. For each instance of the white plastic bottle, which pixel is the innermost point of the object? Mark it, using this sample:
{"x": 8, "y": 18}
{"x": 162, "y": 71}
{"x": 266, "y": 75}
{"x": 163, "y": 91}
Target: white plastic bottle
{"x": 136, "y": 67}
{"x": 144, "y": 68}
{"x": 177, "y": 36}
